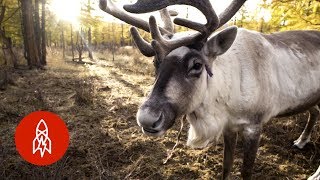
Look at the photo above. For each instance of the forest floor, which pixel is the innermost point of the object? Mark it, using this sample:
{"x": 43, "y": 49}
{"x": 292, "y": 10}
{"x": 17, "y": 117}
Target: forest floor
{"x": 98, "y": 101}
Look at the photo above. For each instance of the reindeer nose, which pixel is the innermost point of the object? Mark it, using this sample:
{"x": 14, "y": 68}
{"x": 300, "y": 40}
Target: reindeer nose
{"x": 149, "y": 120}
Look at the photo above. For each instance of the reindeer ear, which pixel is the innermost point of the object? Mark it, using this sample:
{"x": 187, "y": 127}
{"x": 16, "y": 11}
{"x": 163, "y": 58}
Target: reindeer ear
{"x": 220, "y": 42}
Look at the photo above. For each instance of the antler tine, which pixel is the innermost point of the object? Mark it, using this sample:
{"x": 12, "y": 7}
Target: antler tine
{"x": 212, "y": 19}
{"x": 164, "y": 46}
{"x": 230, "y": 11}
{"x": 173, "y": 13}
{"x": 144, "y": 6}
{"x": 109, "y": 7}
{"x": 144, "y": 47}
{"x": 158, "y": 42}
{"x": 165, "y": 16}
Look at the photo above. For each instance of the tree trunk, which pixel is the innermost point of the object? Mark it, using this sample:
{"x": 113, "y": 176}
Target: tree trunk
{"x": 72, "y": 44}
{"x": 49, "y": 41}
{"x": 122, "y": 35}
{"x": 7, "y": 48}
{"x": 29, "y": 34}
{"x": 79, "y": 44}
{"x": 37, "y": 29}
{"x": 3, "y": 78}
{"x": 63, "y": 44}
{"x": 261, "y": 26}
{"x": 43, "y": 34}
{"x": 90, "y": 43}
{"x": 113, "y": 41}
{"x": 25, "y": 44}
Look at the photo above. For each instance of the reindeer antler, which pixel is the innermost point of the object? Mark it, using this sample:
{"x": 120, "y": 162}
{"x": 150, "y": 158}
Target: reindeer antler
{"x": 162, "y": 45}
{"x": 203, "y": 5}
{"x": 109, "y": 7}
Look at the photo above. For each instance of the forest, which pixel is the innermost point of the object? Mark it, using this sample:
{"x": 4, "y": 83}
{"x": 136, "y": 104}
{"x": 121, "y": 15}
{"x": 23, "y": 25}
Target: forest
{"x": 71, "y": 58}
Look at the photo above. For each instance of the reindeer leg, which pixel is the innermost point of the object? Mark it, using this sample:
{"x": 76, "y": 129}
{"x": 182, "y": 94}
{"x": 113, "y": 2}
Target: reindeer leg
{"x": 305, "y": 135}
{"x": 230, "y": 142}
{"x": 251, "y": 137}
{"x": 316, "y": 175}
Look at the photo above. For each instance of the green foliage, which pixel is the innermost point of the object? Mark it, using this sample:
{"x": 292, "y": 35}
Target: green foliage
{"x": 295, "y": 14}
{"x": 111, "y": 33}
{"x": 285, "y": 15}
{"x": 86, "y": 17}
{"x": 11, "y": 22}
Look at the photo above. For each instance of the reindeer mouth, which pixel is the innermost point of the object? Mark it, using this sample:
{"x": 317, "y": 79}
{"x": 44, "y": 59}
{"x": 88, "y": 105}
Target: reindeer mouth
{"x": 152, "y": 132}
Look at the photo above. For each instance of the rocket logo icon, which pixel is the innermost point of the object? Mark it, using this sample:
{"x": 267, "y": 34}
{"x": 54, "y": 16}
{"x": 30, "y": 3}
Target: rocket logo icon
{"x": 41, "y": 142}
{"x": 42, "y": 138}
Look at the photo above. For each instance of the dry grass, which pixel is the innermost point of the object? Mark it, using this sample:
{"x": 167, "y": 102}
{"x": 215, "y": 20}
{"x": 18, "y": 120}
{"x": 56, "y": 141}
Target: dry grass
{"x": 99, "y": 100}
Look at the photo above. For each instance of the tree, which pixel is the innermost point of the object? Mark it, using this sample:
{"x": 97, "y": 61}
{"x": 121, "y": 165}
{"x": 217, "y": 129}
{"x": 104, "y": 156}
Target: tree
{"x": 6, "y": 40}
{"x": 71, "y": 39}
{"x": 31, "y": 50}
{"x": 37, "y": 26}
{"x": 90, "y": 23}
{"x": 43, "y": 33}
{"x": 63, "y": 45}
{"x": 12, "y": 21}
{"x": 89, "y": 44}
{"x": 79, "y": 45}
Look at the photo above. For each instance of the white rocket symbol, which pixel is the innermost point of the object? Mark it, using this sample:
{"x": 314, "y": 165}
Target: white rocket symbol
{"x": 42, "y": 142}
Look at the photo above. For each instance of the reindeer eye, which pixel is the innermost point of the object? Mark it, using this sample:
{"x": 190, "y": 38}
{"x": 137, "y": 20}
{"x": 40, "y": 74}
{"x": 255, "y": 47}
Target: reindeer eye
{"x": 197, "y": 66}
{"x": 195, "y": 69}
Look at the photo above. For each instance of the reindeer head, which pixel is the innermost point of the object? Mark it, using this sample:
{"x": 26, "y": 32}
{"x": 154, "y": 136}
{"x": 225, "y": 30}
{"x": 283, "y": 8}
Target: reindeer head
{"x": 182, "y": 63}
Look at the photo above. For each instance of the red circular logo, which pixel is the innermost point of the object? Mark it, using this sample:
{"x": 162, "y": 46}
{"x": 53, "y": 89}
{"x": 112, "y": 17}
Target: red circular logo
{"x": 42, "y": 138}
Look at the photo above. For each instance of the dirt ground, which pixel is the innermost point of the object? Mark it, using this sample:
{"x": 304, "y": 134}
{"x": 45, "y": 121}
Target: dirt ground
{"x": 98, "y": 102}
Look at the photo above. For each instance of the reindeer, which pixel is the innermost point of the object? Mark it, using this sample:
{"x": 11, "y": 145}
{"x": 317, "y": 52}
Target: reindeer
{"x": 228, "y": 83}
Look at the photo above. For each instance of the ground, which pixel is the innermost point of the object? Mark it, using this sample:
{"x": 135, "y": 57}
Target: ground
{"x": 98, "y": 101}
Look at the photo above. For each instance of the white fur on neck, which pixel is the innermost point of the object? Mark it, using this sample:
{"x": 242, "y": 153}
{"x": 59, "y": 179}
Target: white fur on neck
{"x": 206, "y": 125}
